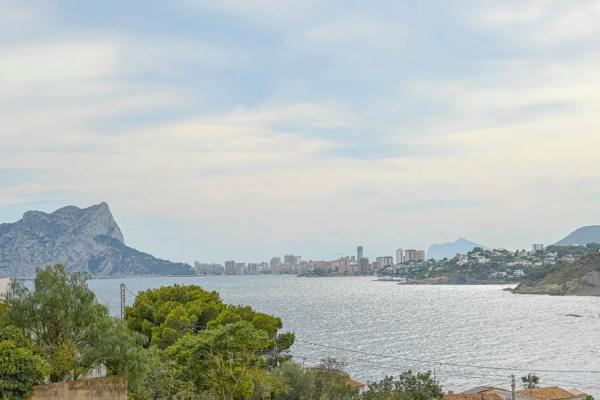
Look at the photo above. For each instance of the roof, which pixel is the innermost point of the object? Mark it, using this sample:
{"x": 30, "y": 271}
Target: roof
{"x": 578, "y": 392}
{"x": 550, "y": 393}
{"x": 503, "y": 393}
{"x": 473, "y": 396}
{"x": 355, "y": 384}
{"x": 479, "y": 389}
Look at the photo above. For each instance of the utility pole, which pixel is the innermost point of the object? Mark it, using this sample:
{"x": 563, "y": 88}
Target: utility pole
{"x": 513, "y": 386}
{"x": 122, "y": 301}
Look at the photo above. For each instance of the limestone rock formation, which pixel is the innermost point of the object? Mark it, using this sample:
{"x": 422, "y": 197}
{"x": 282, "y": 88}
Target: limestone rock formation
{"x": 86, "y": 239}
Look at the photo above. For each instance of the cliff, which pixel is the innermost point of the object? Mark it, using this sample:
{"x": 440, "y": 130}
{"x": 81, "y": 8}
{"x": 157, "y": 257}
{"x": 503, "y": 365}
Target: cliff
{"x": 86, "y": 239}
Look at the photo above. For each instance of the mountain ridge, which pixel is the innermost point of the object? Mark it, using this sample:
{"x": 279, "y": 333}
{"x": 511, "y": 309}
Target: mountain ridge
{"x": 581, "y": 236}
{"x": 448, "y": 250}
{"x": 83, "y": 239}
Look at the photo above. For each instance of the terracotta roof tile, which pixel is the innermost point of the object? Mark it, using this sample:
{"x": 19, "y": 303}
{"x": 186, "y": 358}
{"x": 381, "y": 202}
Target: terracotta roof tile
{"x": 473, "y": 396}
{"x": 355, "y": 384}
{"x": 549, "y": 393}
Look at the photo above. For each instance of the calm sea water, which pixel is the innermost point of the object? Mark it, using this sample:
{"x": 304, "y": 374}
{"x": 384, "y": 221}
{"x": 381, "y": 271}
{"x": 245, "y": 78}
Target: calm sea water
{"x": 381, "y": 328}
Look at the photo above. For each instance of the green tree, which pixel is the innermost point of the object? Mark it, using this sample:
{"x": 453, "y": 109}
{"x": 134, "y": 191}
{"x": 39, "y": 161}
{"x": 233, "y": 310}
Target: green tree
{"x": 297, "y": 383}
{"x": 407, "y": 386}
{"x": 331, "y": 382}
{"x": 224, "y": 361}
{"x": 327, "y": 381}
{"x": 72, "y": 330}
{"x": 117, "y": 348}
{"x": 224, "y": 350}
{"x": 169, "y": 313}
{"x": 164, "y": 315}
{"x": 20, "y": 366}
{"x": 164, "y": 382}
{"x": 530, "y": 381}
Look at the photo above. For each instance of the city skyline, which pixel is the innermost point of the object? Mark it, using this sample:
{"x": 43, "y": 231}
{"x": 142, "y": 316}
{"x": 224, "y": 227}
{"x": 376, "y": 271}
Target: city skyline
{"x": 407, "y": 261}
{"x": 408, "y": 255}
{"x": 248, "y": 128}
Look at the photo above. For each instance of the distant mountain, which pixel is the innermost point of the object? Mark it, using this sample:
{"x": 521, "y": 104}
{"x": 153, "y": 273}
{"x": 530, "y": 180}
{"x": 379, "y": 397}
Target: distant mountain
{"x": 86, "y": 239}
{"x": 581, "y": 278}
{"x": 583, "y": 235}
{"x": 449, "y": 250}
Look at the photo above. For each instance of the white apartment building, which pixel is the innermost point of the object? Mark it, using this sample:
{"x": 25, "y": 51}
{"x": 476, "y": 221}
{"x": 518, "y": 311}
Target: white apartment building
{"x": 399, "y": 256}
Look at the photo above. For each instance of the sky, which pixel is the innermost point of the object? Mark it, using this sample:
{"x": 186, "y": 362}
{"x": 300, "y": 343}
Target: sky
{"x": 247, "y": 129}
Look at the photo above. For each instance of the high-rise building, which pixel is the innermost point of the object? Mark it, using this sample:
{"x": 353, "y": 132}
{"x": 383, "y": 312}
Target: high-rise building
{"x": 382, "y": 262}
{"x": 399, "y": 256}
{"x": 537, "y": 248}
{"x": 289, "y": 259}
{"x": 208, "y": 269}
{"x": 364, "y": 265}
{"x": 414, "y": 255}
{"x": 292, "y": 259}
{"x": 274, "y": 264}
{"x": 253, "y": 268}
{"x": 230, "y": 267}
{"x": 343, "y": 265}
{"x": 359, "y": 254}
{"x": 240, "y": 268}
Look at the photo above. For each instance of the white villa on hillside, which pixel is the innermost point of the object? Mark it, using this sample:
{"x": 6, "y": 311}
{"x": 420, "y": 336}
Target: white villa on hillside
{"x": 4, "y": 283}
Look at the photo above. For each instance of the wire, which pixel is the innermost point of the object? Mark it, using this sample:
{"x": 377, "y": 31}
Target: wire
{"x": 485, "y": 377}
{"x": 425, "y": 361}
{"x": 380, "y": 364}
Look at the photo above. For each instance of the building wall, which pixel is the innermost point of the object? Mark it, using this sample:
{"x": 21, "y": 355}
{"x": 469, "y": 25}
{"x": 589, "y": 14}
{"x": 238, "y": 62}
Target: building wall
{"x": 399, "y": 256}
{"x": 364, "y": 265}
{"x": 230, "y": 267}
{"x": 108, "y": 388}
{"x": 4, "y": 283}
{"x": 414, "y": 255}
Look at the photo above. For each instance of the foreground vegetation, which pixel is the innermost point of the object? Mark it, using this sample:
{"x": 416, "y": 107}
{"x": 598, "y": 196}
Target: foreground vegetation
{"x": 177, "y": 342}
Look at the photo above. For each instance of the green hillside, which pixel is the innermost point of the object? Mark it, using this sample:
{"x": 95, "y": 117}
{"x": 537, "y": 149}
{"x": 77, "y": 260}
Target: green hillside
{"x": 579, "y": 278}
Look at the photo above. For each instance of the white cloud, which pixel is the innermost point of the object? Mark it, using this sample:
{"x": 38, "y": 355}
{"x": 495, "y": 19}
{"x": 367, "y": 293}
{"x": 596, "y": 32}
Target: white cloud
{"x": 513, "y": 145}
{"x": 543, "y": 23}
{"x": 16, "y": 16}
{"x": 272, "y": 13}
{"x": 56, "y": 63}
{"x": 357, "y": 32}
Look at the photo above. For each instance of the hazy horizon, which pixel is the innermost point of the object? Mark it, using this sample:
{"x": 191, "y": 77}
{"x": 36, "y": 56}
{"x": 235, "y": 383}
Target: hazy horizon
{"x": 244, "y": 129}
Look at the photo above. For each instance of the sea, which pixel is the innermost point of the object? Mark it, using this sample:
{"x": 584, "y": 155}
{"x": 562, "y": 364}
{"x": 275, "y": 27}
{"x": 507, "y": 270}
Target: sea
{"x": 467, "y": 336}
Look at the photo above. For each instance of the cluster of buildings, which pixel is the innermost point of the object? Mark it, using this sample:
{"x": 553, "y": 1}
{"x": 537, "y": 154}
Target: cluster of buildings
{"x": 537, "y": 393}
{"x": 518, "y": 259}
{"x": 357, "y": 264}
{"x": 487, "y": 265}
{"x": 501, "y": 263}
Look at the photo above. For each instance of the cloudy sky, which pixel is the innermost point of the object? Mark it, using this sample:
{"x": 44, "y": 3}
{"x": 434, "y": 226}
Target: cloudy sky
{"x": 249, "y": 128}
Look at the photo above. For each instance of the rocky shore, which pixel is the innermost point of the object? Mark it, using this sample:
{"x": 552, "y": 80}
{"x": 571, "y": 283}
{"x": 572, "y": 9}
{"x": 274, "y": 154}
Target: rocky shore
{"x": 588, "y": 285}
{"x": 581, "y": 278}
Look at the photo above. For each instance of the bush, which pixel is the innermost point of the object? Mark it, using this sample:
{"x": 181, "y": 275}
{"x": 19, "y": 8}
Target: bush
{"x": 20, "y": 366}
